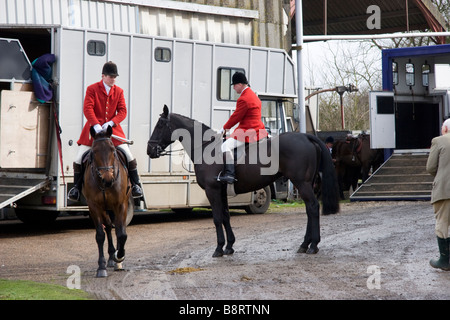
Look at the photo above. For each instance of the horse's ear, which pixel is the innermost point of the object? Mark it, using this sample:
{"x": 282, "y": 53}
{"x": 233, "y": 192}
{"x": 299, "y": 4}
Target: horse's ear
{"x": 166, "y": 111}
{"x": 92, "y": 132}
{"x": 109, "y": 131}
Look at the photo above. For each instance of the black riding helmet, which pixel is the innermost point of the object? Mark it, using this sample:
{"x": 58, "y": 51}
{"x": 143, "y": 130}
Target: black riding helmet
{"x": 110, "y": 69}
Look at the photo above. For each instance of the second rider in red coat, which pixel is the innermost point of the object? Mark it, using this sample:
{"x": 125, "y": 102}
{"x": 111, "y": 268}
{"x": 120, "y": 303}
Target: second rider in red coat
{"x": 250, "y": 128}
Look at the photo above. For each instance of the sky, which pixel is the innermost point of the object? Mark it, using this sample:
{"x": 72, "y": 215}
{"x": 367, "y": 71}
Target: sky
{"x": 316, "y": 55}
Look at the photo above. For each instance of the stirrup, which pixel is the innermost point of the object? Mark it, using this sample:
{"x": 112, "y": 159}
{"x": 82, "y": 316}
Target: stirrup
{"x": 228, "y": 179}
{"x": 74, "y": 194}
{"x": 139, "y": 195}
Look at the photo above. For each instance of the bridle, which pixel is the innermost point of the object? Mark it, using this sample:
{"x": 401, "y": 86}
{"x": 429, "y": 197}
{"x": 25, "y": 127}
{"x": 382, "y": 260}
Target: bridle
{"x": 160, "y": 150}
{"x": 97, "y": 171}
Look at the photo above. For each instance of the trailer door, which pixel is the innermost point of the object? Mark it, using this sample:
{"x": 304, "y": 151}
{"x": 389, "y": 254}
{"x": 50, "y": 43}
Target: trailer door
{"x": 382, "y": 120}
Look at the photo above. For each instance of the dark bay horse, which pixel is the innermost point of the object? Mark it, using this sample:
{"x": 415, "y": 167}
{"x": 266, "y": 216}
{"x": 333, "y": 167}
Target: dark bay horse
{"x": 107, "y": 191}
{"x": 354, "y": 159}
{"x": 296, "y": 156}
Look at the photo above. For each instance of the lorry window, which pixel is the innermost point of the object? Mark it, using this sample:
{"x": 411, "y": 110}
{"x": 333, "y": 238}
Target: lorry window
{"x": 224, "y": 87}
{"x": 442, "y": 79}
{"x": 163, "y": 54}
{"x": 272, "y": 116}
{"x": 96, "y": 48}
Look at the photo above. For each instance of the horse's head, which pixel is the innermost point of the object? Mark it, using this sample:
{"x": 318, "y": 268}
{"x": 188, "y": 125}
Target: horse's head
{"x": 161, "y": 135}
{"x": 103, "y": 156}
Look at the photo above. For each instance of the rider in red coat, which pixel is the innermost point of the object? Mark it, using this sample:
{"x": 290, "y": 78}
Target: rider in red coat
{"x": 250, "y": 128}
{"x": 104, "y": 105}
{"x": 248, "y": 115}
{"x": 100, "y": 108}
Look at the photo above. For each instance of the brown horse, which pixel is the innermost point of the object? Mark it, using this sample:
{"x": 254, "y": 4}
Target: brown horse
{"x": 107, "y": 192}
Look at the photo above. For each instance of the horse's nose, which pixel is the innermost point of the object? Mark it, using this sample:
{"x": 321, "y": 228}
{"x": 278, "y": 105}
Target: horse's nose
{"x": 153, "y": 151}
{"x": 107, "y": 182}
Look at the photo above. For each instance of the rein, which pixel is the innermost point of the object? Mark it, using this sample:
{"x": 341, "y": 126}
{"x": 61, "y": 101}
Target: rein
{"x": 158, "y": 142}
{"x": 96, "y": 171}
{"x": 162, "y": 151}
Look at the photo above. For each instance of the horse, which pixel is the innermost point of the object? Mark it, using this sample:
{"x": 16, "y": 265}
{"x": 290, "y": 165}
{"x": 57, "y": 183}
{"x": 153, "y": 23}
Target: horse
{"x": 296, "y": 156}
{"x": 354, "y": 158}
{"x": 107, "y": 192}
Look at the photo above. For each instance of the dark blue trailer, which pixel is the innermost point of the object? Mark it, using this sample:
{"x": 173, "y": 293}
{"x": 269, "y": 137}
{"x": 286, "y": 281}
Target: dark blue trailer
{"x": 409, "y": 111}
{"x": 404, "y": 117}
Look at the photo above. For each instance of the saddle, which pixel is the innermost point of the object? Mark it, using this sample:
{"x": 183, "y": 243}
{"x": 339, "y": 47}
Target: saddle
{"x": 241, "y": 151}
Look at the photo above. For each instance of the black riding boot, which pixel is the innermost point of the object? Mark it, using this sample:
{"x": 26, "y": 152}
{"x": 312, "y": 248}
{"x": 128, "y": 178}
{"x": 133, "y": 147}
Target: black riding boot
{"x": 136, "y": 190}
{"x": 75, "y": 193}
{"x": 228, "y": 175}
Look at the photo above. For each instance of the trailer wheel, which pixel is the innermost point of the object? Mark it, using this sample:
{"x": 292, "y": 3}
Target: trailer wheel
{"x": 261, "y": 201}
{"x": 36, "y": 217}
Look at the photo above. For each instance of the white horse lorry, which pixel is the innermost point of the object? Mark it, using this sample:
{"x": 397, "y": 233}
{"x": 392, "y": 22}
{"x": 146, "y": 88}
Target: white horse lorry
{"x": 38, "y": 141}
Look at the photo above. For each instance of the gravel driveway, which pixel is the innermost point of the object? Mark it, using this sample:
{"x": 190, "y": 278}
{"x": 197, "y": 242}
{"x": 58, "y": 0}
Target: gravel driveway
{"x": 370, "y": 250}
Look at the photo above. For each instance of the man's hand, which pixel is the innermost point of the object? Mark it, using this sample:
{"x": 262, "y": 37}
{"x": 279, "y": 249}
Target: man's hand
{"x": 98, "y": 128}
{"x": 224, "y": 132}
{"x": 106, "y": 124}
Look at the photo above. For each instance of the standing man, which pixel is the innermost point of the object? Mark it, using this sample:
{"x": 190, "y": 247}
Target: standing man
{"x": 250, "y": 129}
{"x": 104, "y": 105}
{"x": 438, "y": 165}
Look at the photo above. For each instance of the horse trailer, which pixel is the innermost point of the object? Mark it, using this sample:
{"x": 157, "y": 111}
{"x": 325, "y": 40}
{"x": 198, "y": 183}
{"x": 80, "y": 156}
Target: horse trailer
{"x": 404, "y": 118}
{"x": 415, "y": 99}
{"x": 38, "y": 138}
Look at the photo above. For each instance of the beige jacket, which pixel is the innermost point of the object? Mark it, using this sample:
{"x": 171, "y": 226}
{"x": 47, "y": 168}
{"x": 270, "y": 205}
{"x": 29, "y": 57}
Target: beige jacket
{"x": 438, "y": 165}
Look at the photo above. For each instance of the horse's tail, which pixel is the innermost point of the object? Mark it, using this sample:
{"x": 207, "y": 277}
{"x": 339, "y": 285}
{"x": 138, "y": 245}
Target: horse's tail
{"x": 330, "y": 195}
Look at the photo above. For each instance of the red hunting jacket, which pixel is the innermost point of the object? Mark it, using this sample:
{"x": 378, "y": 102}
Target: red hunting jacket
{"x": 248, "y": 115}
{"x": 100, "y": 108}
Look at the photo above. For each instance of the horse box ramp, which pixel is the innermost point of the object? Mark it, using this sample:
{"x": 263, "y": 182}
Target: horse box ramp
{"x": 14, "y": 187}
{"x": 402, "y": 177}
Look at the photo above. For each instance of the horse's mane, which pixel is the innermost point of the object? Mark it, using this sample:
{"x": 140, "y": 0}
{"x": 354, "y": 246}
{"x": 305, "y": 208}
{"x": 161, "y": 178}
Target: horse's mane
{"x": 190, "y": 120}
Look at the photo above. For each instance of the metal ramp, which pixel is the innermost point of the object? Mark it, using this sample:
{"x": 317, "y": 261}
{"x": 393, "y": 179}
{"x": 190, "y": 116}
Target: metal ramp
{"x": 13, "y": 188}
{"x": 402, "y": 177}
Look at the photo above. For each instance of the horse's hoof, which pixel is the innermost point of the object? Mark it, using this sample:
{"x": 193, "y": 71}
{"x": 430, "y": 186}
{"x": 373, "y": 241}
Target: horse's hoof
{"x": 302, "y": 250}
{"x": 228, "y": 252}
{"x": 217, "y": 254}
{"x": 111, "y": 263}
{"x": 312, "y": 250}
{"x": 118, "y": 266}
{"x": 117, "y": 259}
{"x": 101, "y": 273}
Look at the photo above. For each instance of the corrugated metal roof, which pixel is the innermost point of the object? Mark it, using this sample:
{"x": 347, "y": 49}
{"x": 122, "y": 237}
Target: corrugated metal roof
{"x": 108, "y": 16}
{"x": 196, "y": 26}
{"x": 350, "y": 16}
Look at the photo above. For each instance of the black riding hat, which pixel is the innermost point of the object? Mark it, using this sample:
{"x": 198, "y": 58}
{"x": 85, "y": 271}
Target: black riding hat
{"x": 110, "y": 69}
{"x": 239, "y": 77}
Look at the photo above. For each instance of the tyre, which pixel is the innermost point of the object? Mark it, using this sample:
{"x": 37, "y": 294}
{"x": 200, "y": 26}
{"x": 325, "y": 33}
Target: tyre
{"x": 261, "y": 201}
{"x": 36, "y": 217}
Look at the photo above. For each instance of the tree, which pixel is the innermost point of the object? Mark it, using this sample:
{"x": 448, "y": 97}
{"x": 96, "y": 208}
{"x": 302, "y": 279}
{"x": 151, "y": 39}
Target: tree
{"x": 357, "y": 64}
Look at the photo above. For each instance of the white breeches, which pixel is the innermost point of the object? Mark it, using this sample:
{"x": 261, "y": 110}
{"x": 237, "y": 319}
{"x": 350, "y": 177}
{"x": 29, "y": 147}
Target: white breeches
{"x": 82, "y": 149}
{"x": 230, "y": 144}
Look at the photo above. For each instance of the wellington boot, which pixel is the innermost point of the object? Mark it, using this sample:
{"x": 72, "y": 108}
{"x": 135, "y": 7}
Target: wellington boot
{"x": 443, "y": 261}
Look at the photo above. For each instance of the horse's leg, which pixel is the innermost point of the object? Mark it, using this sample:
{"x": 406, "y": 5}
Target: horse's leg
{"x": 215, "y": 199}
{"x": 340, "y": 178}
{"x": 226, "y": 223}
{"x": 312, "y": 235}
{"x": 121, "y": 234}
{"x": 100, "y": 238}
{"x": 111, "y": 249}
